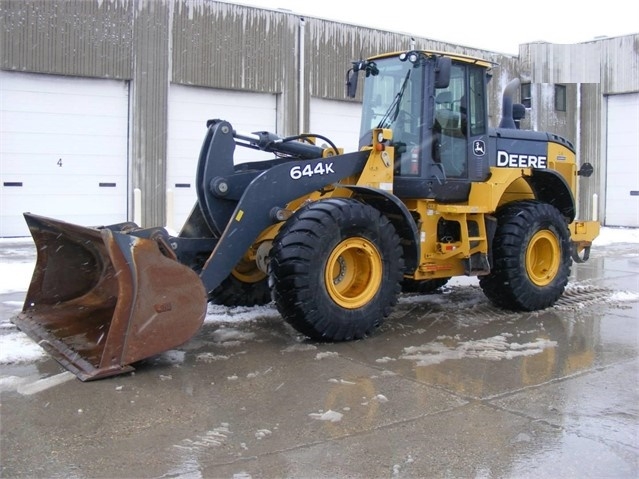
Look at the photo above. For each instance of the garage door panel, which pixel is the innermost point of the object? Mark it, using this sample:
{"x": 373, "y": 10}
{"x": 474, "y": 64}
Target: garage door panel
{"x": 17, "y": 223}
{"x": 232, "y": 114}
{"x": 182, "y": 181}
{"x": 191, "y": 131}
{"x": 28, "y": 164}
{"x": 65, "y": 207}
{"x": 339, "y": 121}
{"x": 62, "y": 124}
{"x": 56, "y": 145}
{"x": 189, "y": 109}
{"x": 219, "y": 102}
{"x": 65, "y": 184}
{"x": 182, "y": 146}
{"x": 58, "y": 85}
{"x": 64, "y": 150}
{"x": 182, "y": 203}
{"x": 622, "y": 161}
{"x": 72, "y": 103}
{"x": 52, "y": 105}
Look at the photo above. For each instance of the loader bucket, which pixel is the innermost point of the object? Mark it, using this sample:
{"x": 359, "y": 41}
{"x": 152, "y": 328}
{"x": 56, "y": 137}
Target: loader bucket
{"x": 100, "y": 300}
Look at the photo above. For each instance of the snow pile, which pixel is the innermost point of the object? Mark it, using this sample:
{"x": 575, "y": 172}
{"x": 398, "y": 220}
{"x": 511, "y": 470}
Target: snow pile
{"x": 616, "y": 235}
{"x": 19, "y": 348}
{"x": 332, "y": 416}
{"x": 621, "y": 296}
{"x": 239, "y": 314}
{"x": 494, "y": 349}
{"x": 15, "y": 277}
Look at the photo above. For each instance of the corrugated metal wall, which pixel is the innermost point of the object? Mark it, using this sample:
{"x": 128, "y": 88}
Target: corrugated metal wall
{"x": 226, "y": 46}
{"x": 620, "y": 64}
{"x": 590, "y": 71}
{"x": 589, "y": 141}
{"x": 74, "y": 37}
{"x": 149, "y": 107}
{"x": 241, "y": 48}
{"x": 152, "y": 43}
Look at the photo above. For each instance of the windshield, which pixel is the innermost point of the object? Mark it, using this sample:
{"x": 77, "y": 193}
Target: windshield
{"x": 392, "y": 100}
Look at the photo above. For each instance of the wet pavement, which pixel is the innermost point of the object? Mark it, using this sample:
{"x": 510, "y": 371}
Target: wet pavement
{"x": 450, "y": 387}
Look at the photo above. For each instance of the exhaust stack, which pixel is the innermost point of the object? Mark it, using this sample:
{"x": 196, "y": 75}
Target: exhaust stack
{"x": 507, "y": 118}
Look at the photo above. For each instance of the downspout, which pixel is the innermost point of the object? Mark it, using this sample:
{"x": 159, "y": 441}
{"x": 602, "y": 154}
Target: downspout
{"x": 534, "y": 100}
{"x": 578, "y": 147}
{"x": 169, "y": 197}
{"x": 301, "y": 93}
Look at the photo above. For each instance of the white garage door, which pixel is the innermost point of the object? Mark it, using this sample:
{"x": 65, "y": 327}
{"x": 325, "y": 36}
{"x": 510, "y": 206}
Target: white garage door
{"x": 189, "y": 109}
{"x": 339, "y": 121}
{"x": 622, "y": 161}
{"x": 63, "y": 152}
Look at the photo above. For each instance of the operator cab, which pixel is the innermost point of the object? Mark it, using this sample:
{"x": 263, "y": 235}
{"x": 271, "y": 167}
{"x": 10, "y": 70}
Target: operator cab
{"x": 436, "y": 108}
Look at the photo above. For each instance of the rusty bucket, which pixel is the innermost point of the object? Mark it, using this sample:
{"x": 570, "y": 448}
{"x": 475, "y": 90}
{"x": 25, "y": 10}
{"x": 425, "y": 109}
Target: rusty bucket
{"x": 100, "y": 300}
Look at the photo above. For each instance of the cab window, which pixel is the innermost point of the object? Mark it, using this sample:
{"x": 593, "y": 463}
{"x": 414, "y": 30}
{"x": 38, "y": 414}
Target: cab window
{"x": 451, "y": 112}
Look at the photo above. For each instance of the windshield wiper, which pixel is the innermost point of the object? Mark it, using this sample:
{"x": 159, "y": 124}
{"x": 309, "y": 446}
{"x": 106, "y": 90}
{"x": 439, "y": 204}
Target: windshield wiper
{"x": 393, "y": 108}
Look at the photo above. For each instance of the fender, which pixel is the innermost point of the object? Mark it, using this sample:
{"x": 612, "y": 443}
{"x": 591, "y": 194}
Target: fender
{"x": 401, "y": 218}
{"x": 550, "y": 187}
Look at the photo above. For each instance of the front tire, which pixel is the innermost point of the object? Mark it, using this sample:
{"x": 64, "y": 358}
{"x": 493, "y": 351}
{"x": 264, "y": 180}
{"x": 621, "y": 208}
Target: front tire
{"x": 335, "y": 270}
{"x": 530, "y": 257}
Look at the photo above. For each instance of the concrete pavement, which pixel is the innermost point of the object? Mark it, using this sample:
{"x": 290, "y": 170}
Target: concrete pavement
{"x": 449, "y": 387}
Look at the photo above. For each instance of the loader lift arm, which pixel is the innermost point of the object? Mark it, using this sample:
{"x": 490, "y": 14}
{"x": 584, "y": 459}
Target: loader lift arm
{"x": 239, "y": 202}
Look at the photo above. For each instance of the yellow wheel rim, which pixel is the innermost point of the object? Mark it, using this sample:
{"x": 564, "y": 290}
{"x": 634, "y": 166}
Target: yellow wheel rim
{"x": 543, "y": 258}
{"x": 353, "y": 273}
{"x": 248, "y": 272}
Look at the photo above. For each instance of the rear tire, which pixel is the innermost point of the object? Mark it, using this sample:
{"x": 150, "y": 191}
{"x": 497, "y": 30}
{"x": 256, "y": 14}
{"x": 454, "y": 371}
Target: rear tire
{"x": 245, "y": 286}
{"x": 335, "y": 270}
{"x": 530, "y": 257}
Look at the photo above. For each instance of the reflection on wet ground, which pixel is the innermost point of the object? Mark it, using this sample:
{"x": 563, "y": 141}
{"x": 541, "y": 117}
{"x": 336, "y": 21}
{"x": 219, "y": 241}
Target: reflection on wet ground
{"x": 450, "y": 387}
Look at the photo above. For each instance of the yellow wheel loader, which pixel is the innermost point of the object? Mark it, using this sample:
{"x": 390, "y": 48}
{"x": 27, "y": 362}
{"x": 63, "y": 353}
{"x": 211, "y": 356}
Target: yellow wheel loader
{"x": 331, "y": 238}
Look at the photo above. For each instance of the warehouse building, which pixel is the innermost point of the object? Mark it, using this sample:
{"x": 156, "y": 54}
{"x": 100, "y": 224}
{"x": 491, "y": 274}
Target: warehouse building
{"x": 104, "y": 102}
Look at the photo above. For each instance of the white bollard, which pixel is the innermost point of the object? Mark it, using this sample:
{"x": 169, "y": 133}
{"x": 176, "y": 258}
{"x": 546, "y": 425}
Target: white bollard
{"x": 170, "y": 207}
{"x": 137, "y": 206}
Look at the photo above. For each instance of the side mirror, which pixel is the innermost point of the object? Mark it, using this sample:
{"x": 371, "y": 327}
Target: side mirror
{"x": 442, "y": 72}
{"x": 586, "y": 170}
{"x": 351, "y": 76}
{"x": 351, "y": 82}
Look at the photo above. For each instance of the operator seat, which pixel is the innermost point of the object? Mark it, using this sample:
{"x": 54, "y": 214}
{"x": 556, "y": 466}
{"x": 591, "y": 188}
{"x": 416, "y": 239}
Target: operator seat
{"x": 444, "y": 110}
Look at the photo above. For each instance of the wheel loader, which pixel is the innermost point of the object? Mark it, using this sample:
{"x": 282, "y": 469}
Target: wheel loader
{"x": 332, "y": 238}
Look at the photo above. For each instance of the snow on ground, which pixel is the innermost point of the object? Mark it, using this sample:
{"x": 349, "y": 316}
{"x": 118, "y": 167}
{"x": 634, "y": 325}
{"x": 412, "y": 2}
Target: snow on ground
{"x": 15, "y": 277}
{"x": 239, "y": 314}
{"x": 494, "y": 349}
{"x": 16, "y": 269}
{"x": 616, "y": 235}
{"x": 17, "y": 347}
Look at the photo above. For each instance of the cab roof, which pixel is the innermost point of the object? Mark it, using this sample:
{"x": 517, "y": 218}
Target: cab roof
{"x": 453, "y": 56}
